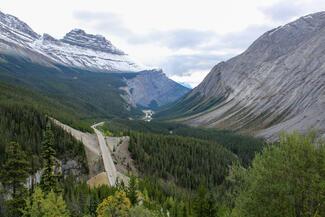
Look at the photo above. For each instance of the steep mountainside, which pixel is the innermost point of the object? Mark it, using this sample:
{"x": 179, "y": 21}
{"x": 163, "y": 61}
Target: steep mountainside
{"x": 277, "y": 84}
{"x": 78, "y": 52}
{"x": 152, "y": 89}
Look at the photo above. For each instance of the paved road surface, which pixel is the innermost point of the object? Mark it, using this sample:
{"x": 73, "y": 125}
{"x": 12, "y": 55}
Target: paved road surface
{"x": 107, "y": 157}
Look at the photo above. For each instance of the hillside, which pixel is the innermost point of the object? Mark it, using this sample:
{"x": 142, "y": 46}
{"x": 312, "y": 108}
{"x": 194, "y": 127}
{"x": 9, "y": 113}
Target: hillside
{"x": 276, "y": 84}
{"x": 26, "y": 126}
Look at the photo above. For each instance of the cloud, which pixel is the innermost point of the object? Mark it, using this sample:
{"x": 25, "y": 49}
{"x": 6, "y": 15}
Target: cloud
{"x": 107, "y": 21}
{"x": 183, "y": 64}
{"x": 175, "y": 39}
{"x": 193, "y": 78}
{"x": 286, "y": 10}
{"x": 237, "y": 41}
{"x": 283, "y": 11}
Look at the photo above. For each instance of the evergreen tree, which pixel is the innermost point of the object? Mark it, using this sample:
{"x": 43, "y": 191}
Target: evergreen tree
{"x": 132, "y": 190}
{"x": 41, "y": 205}
{"x": 13, "y": 176}
{"x": 200, "y": 204}
{"x": 140, "y": 211}
{"x": 49, "y": 179}
{"x": 34, "y": 204}
{"x": 204, "y": 203}
{"x": 211, "y": 209}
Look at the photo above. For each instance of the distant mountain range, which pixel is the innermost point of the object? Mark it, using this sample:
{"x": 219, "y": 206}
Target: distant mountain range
{"x": 277, "y": 84}
{"x": 78, "y": 51}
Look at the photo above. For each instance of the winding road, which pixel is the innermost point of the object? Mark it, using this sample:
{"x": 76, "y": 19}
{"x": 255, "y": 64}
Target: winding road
{"x": 106, "y": 155}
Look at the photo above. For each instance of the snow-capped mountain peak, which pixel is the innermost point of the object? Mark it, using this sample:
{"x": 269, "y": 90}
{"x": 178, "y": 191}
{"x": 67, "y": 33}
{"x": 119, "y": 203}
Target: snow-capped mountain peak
{"x": 14, "y": 23}
{"x": 76, "y": 49}
{"x": 80, "y": 38}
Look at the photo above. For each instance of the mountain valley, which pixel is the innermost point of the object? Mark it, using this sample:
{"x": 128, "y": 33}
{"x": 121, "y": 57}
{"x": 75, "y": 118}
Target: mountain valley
{"x": 276, "y": 85}
{"x": 86, "y": 131}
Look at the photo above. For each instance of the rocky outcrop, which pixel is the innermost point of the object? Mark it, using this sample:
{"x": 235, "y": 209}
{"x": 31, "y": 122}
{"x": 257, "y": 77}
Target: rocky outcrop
{"x": 152, "y": 89}
{"x": 79, "y": 37}
{"x": 277, "y": 84}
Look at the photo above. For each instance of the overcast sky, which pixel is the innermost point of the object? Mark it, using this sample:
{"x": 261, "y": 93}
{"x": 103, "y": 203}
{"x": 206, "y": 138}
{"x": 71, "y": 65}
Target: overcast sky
{"x": 185, "y": 38}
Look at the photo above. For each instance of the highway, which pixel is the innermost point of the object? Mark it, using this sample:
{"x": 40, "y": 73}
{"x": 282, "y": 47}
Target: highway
{"x": 106, "y": 155}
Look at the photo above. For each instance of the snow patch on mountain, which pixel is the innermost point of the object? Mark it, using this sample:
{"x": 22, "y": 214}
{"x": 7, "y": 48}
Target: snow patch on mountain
{"x": 76, "y": 49}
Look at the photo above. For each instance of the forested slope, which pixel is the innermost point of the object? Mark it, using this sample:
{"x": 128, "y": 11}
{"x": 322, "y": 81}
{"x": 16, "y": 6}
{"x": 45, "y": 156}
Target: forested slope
{"x": 243, "y": 146}
{"x": 187, "y": 162}
{"x": 92, "y": 95}
{"x": 25, "y": 125}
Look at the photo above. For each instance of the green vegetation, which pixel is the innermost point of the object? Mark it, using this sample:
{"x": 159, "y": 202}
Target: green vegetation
{"x": 186, "y": 106}
{"x": 49, "y": 180}
{"x": 184, "y": 171}
{"x": 185, "y": 161}
{"x": 285, "y": 180}
{"x": 26, "y": 126}
{"x": 180, "y": 176}
{"x": 13, "y": 96}
{"x": 115, "y": 205}
{"x": 45, "y": 205}
{"x": 81, "y": 95}
{"x": 13, "y": 176}
{"x": 243, "y": 146}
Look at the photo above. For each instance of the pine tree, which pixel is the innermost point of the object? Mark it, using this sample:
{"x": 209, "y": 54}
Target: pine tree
{"x": 132, "y": 190}
{"x": 49, "y": 179}
{"x": 13, "y": 176}
{"x": 41, "y": 205}
{"x": 211, "y": 209}
{"x": 200, "y": 204}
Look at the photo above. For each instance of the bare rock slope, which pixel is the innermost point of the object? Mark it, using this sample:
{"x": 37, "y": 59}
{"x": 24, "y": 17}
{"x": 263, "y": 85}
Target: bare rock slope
{"x": 277, "y": 84}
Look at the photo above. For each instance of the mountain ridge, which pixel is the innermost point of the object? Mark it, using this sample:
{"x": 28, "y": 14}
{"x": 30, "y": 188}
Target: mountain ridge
{"x": 261, "y": 90}
{"x": 75, "y": 49}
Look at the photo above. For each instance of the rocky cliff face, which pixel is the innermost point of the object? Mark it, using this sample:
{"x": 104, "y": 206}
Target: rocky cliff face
{"x": 88, "y": 52}
{"x": 277, "y": 84}
{"x": 152, "y": 89}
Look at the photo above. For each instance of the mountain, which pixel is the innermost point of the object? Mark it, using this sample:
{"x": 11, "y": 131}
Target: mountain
{"x": 277, "y": 84}
{"x": 21, "y": 48}
{"x": 77, "y": 48}
{"x": 142, "y": 89}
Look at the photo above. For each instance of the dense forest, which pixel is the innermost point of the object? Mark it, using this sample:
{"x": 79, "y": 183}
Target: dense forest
{"x": 243, "y": 192}
{"x": 186, "y": 161}
{"x": 184, "y": 172}
{"x": 26, "y": 126}
{"x": 21, "y": 96}
{"x": 244, "y": 146}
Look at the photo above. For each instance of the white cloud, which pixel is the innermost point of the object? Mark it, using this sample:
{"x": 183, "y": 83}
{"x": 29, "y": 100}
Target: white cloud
{"x": 193, "y": 78}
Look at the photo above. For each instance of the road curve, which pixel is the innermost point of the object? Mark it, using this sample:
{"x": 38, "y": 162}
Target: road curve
{"x": 106, "y": 155}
